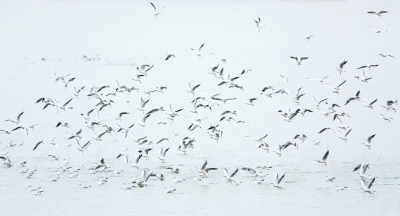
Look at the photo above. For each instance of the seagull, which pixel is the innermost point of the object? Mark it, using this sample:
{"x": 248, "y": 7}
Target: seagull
{"x": 169, "y": 56}
{"x": 76, "y": 92}
{"x": 98, "y": 137}
{"x": 21, "y": 127}
{"x": 82, "y": 148}
{"x": 192, "y": 90}
{"x": 368, "y": 66}
{"x": 145, "y": 153}
{"x": 203, "y": 170}
{"x": 142, "y": 121}
{"x": 199, "y": 53}
{"x": 15, "y": 121}
{"x": 297, "y": 59}
{"x": 279, "y": 150}
{"x": 308, "y": 38}
{"x": 6, "y": 161}
{"x": 59, "y": 77}
{"x": 356, "y": 97}
{"x": 76, "y": 135}
{"x": 251, "y": 101}
{"x": 302, "y": 137}
{"x": 169, "y": 190}
{"x": 161, "y": 155}
{"x": 336, "y": 89}
{"x": 138, "y": 77}
{"x": 257, "y": 139}
{"x": 329, "y": 179}
{"x": 365, "y": 187}
{"x": 66, "y": 83}
{"x": 363, "y": 168}
{"x": 143, "y": 179}
{"x": 125, "y": 130}
{"x": 367, "y": 141}
{"x": 376, "y": 30}
{"x": 222, "y": 59}
{"x": 229, "y": 112}
{"x": 345, "y": 136}
{"x": 156, "y": 12}
{"x": 281, "y": 75}
{"x": 87, "y": 117}
{"x": 327, "y": 128}
{"x": 65, "y": 124}
{"x": 259, "y": 26}
{"x": 277, "y": 180}
{"x": 323, "y": 160}
{"x": 264, "y": 146}
{"x": 143, "y": 70}
{"x": 320, "y": 80}
{"x": 230, "y": 176}
{"x": 136, "y": 161}
{"x": 385, "y": 118}
{"x": 341, "y": 65}
{"x": 317, "y": 103}
{"x": 370, "y": 105}
{"x": 193, "y": 126}
{"x": 378, "y": 14}
{"x": 384, "y": 56}
{"x": 388, "y": 105}
{"x": 118, "y": 117}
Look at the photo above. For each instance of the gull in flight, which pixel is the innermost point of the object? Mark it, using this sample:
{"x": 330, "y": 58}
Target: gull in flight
{"x": 224, "y": 60}
{"x": 297, "y": 59}
{"x": 323, "y": 160}
{"x": 281, "y": 75}
{"x": 370, "y": 105}
{"x": 385, "y": 118}
{"x": 384, "y": 56}
{"x": 308, "y": 38}
{"x": 365, "y": 187}
{"x": 199, "y": 53}
{"x": 161, "y": 155}
{"x": 367, "y": 141}
{"x": 264, "y": 146}
{"x": 251, "y": 100}
{"x": 376, "y": 30}
{"x": 203, "y": 170}
{"x": 98, "y": 137}
{"x": 341, "y": 65}
{"x": 378, "y": 14}
{"x": 169, "y": 56}
{"x": 257, "y": 139}
{"x": 118, "y": 117}
{"x": 258, "y": 22}
{"x": 156, "y": 12}
{"x": 320, "y": 80}
{"x": 363, "y": 168}
{"x": 345, "y": 136}
{"x": 317, "y": 103}
{"x": 62, "y": 78}
{"x": 277, "y": 180}
{"x": 192, "y": 90}
{"x": 229, "y": 176}
{"x": 81, "y": 148}
{"x": 368, "y": 66}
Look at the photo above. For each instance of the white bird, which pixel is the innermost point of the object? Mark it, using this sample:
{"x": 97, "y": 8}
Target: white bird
{"x": 378, "y": 14}
{"x": 222, "y": 59}
{"x": 257, "y": 139}
{"x": 162, "y": 153}
{"x": 345, "y": 136}
{"x": 193, "y": 126}
{"x": 376, "y": 30}
{"x": 367, "y": 141}
{"x": 277, "y": 181}
{"x": 341, "y": 65}
{"x": 323, "y": 160}
{"x": 259, "y": 26}
{"x": 6, "y": 161}
{"x": 365, "y": 187}
{"x": 199, "y": 53}
{"x": 279, "y": 150}
{"x": 203, "y": 170}
{"x": 136, "y": 161}
{"x": 192, "y": 90}
{"x": 142, "y": 121}
{"x": 82, "y": 148}
{"x": 229, "y": 176}
{"x": 156, "y": 12}
{"x": 384, "y": 56}
{"x": 251, "y": 100}
{"x": 363, "y": 168}
{"x": 119, "y": 115}
{"x": 264, "y": 146}
{"x": 281, "y": 75}
{"x": 169, "y": 190}
{"x": 385, "y": 118}
{"x": 308, "y": 38}
{"x": 98, "y": 137}
{"x": 320, "y": 80}
{"x": 297, "y": 59}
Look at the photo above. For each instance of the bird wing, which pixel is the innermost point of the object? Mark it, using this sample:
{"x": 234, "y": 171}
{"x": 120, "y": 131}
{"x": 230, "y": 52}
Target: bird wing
{"x": 19, "y": 116}
{"x": 155, "y": 9}
{"x": 204, "y": 165}
{"x": 280, "y": 179}
{"x": 325, "y": 155}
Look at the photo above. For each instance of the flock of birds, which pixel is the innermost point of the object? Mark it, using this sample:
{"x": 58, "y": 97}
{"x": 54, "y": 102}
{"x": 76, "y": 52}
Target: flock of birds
{"x": 106, "y": 100}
